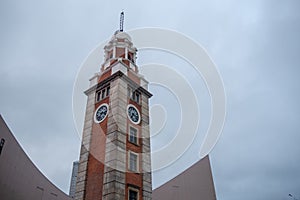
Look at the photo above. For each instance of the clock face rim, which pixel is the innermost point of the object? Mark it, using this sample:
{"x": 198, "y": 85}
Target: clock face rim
{"x": 95, "y": 117}
{"x": 139, "y": 115}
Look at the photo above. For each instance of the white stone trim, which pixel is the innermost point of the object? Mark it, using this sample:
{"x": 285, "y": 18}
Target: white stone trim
{"x": 107, "y": 64}
{"x": 114, "y": 52}
{"x": 94, "y": 79}
{"x": 144, "y": 83}
{"x": 119, "y": 67}
{"x": 126, "y": 52}
{"x": 132, "y": 65}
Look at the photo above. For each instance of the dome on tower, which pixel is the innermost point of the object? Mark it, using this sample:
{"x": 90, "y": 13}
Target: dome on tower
{"x": 121, "y": 35}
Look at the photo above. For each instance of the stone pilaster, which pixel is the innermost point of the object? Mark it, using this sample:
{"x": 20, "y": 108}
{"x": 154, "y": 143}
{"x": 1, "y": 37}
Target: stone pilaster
{"x": 115, "y": 153}
{"x": 146, "y": 149}
{"x": 85, "y": 146}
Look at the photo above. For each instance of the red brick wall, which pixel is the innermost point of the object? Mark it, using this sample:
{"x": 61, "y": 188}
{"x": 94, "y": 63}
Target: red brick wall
{"x": 120, "y": 52}
{"x": 95, "y": 172}
{"x": 104, "y": 76}
{"x": 133, "y": 76}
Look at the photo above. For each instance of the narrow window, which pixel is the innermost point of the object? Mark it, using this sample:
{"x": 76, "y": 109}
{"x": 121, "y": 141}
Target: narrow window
{"x": 132, "y": 95}
{"x": 137, "y": 97}
{"x": 107, "y": 91}
{"x": 103, "y": 94}
{"x": 98, "y": 96}
{"x": 133, "y": 135}
{"x": 133, "y": 161}
{"x": 132, "y": 194}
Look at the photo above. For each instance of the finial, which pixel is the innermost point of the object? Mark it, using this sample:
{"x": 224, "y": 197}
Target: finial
{"x": 122, "y": 21}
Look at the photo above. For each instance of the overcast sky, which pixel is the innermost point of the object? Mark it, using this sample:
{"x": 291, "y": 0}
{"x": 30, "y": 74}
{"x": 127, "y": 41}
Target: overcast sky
{"x": 255, "y": 45}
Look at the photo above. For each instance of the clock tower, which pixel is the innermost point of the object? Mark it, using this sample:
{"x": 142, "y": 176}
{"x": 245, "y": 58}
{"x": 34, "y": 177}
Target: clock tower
{"x": 115, "y": 160}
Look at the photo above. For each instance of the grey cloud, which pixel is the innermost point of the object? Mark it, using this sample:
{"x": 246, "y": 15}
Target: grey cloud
{"x": 255, "y": 45}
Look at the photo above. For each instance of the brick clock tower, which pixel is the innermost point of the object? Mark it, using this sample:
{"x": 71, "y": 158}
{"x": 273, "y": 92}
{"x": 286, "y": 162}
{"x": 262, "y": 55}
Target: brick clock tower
{"x": 115, "y": 160}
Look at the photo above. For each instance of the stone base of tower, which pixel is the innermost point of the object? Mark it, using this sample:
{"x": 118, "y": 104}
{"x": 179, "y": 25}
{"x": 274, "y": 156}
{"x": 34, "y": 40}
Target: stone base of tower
{"x": 194, "y": 183}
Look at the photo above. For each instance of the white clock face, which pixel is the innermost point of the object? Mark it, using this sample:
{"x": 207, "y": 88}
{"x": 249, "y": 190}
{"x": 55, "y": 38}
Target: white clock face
{"x": 133, "y": 114}
{"x": 101, "y": 113}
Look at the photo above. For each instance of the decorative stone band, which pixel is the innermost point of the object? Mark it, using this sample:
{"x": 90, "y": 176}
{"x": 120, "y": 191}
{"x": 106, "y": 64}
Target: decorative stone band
{"x": 116, "y": 75}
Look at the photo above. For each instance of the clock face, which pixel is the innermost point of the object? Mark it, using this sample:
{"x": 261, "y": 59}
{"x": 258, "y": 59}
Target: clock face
{"x": 133, "y": 114}
{"x": 101, "y": 113}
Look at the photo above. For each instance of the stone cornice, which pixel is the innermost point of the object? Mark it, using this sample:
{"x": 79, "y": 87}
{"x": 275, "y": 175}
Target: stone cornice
{"x": 116, "y": 75}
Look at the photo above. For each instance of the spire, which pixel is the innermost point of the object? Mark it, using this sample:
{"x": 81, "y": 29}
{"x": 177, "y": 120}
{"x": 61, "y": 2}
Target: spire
{"x": 122, "y": 21}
